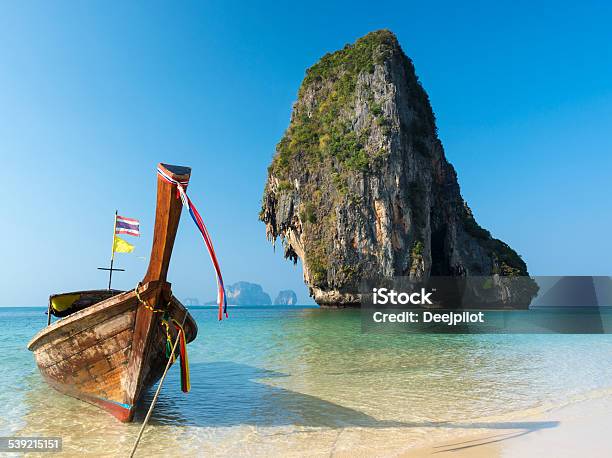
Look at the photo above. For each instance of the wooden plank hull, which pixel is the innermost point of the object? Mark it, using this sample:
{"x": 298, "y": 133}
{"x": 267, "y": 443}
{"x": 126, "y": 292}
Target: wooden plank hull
{"x": 101, "y": 355}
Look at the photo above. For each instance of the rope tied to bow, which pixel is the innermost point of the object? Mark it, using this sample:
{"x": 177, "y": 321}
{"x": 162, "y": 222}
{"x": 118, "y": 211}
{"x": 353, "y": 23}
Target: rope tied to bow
{"x": 144, "y": 303}
{"x": 159, "y": 387}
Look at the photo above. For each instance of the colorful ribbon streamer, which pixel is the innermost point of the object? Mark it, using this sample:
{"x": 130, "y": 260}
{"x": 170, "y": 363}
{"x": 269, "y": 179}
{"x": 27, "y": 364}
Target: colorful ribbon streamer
{"x": 197, "y": 219}
{"x": 185, "y": 381}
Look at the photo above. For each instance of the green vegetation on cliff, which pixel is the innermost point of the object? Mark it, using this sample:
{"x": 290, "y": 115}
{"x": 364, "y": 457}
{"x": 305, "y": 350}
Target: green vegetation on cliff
{"x": 324, "y": 133}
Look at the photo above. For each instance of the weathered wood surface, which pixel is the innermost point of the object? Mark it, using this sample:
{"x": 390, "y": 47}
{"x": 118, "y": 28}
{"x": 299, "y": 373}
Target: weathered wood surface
{"x": 93, "y": 363}
{"x": 89, "y": 317}
{"x": 109, "y": 353}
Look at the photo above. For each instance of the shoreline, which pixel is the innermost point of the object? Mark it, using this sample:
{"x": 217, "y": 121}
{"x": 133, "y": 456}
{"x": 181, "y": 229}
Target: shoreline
{"x": 575, "y": 428}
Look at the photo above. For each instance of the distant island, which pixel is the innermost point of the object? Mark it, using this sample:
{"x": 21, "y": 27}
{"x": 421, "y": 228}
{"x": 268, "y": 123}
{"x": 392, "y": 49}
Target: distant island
{"x": 286, "y": 297}
{"x": 251, "y": 294}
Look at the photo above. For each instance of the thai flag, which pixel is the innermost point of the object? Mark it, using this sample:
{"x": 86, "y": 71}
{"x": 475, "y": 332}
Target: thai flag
{"x": 128, "y": 226}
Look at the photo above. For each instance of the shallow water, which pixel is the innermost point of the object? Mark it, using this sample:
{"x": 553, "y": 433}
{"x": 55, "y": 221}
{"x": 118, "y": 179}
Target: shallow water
{"x": 296, "y": 381}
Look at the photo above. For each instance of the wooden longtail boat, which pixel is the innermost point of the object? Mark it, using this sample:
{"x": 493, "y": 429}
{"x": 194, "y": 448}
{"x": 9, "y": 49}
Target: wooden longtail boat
{"x": 113, "y": 347}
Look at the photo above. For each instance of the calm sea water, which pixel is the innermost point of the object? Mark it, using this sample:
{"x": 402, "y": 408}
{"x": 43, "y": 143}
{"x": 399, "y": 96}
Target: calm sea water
{"x": 305, "y": 381}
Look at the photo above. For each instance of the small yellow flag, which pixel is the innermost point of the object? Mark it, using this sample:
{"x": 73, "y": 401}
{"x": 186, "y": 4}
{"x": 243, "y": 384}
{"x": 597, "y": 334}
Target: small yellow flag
{"x": 121, "y": 246}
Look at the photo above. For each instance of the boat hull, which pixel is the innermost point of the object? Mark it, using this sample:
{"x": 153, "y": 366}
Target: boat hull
{"x": 110, "y": 353}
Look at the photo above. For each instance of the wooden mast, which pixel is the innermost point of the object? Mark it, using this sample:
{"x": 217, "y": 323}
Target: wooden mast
{"x": 167, "y": 216}
{"x": 110, "y": 271}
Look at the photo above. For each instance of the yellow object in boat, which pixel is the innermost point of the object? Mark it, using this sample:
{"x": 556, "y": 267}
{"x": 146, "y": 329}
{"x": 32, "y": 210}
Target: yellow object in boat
{"x": 63, "y": 302}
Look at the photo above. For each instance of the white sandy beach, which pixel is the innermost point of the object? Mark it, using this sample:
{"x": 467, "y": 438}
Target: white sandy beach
{"x": 581, "y": 429}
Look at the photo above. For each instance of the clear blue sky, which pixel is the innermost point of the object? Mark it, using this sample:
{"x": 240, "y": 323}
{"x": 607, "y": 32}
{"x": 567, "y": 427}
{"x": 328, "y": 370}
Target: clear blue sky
{"x": 93, "y": 95}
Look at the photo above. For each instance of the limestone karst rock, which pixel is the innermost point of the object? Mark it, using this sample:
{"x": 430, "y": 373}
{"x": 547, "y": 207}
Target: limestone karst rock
{"x": 360, "y": 185}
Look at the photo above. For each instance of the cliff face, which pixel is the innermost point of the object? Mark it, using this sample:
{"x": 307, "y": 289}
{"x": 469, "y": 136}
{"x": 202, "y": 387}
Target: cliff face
{"x": 360, "y": 185}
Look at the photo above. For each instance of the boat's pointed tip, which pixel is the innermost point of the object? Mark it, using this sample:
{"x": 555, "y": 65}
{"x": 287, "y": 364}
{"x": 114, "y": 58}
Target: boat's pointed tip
{"x": 175, "y": 171}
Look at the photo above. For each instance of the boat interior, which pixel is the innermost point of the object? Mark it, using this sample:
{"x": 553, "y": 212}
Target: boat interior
{"x": 64, "y": 304}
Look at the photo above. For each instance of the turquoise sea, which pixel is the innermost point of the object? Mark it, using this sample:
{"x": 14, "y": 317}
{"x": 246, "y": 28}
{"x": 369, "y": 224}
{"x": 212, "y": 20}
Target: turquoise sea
{"x": 302, "y": 381}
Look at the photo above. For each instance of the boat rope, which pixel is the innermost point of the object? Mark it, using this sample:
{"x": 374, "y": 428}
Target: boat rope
{"x": 197, "y": 219}
{"x": 159, "y": 387}
{"x": 143, "y": 302}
